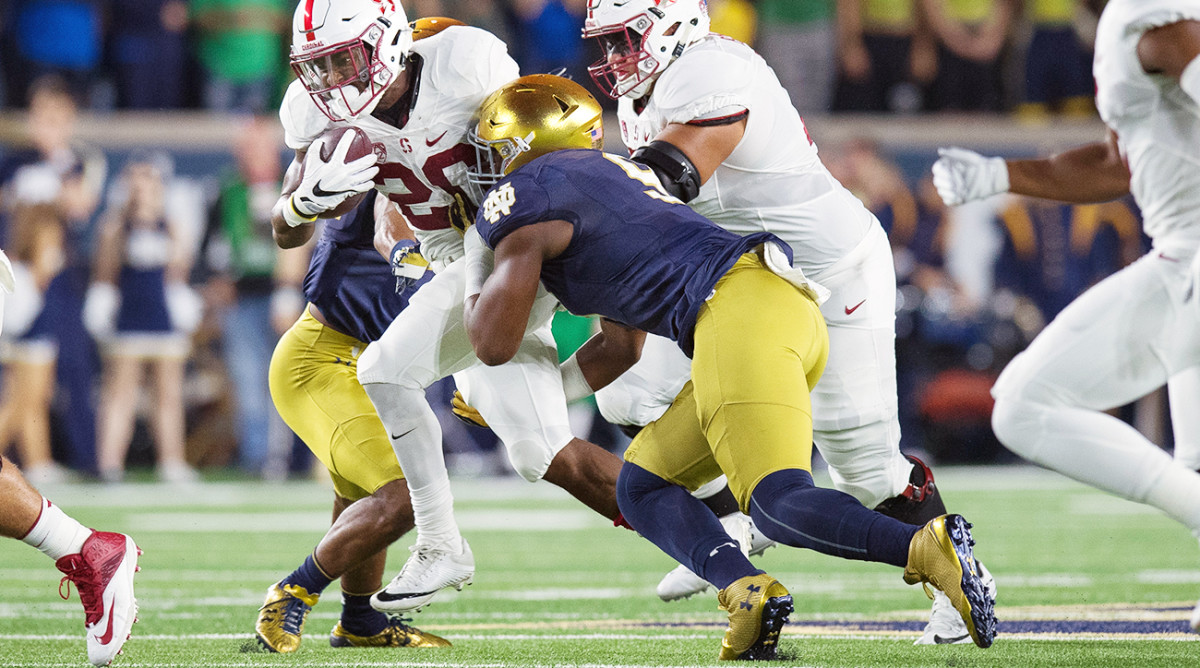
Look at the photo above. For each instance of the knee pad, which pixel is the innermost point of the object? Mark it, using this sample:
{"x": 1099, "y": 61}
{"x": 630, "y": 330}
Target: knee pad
{"x": 530, "y": 455}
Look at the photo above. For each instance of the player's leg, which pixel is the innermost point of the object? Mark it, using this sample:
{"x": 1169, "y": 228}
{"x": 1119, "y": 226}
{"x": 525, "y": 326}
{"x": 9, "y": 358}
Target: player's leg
{"x": 116, "y": 413}
{"x": 425, "y": 343}
{"x": 1184, "y": 390}
{"x": 314, "y": 384}
{"x": 760, "y": 344}
{"x": 100, "y": 564}
{"x": 1118, "y": 341}
{"x": 666, "y": 459}
{"x": 523, "y": 404}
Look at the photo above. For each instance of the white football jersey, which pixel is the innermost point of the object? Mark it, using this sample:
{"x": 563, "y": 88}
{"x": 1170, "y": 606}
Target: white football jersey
{"x": 423, "y": 164}
{"x": 773, "y": 180}
{"x": 1156, "y": 123}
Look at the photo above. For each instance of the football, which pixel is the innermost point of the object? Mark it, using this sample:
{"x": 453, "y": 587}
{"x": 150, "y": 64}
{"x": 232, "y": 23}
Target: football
{"x": 360, "y": 146}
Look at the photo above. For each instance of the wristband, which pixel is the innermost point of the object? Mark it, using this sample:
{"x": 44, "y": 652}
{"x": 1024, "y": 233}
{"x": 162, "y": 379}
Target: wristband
{"x": 575, "y": 386}
{"x": 293, "y": 217}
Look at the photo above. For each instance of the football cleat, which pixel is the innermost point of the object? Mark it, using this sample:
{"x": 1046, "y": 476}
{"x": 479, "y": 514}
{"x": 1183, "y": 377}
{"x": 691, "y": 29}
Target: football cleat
{"x": 396, "y": 634}
{"x": 103, "y": 571}
{"x": 430, "y": 569}
{"x": 281, "y": 618}
{"x": 681, "y": 582}
{"x": 758, "y": 607}
{"x": 941, "y": 555}
{"x": 946, "y": 626}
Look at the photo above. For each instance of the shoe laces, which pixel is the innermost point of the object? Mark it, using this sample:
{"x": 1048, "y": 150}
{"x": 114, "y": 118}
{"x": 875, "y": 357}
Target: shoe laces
{"x": 77, "y": 572}
{"x": 293, "y": 615}
{"x": 399, "y": 629}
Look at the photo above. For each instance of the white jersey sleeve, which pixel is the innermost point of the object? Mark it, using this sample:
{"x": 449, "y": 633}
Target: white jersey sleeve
{"x": 1156, "y": 123}
{"x": 302, "y": 121}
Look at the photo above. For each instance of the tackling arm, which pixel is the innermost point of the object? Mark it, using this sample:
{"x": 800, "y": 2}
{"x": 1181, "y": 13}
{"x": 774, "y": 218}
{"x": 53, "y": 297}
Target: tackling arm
{"x": 496, "y": 317}
{"x": 1082, "y": 175}
{"x": 607, "y": 355}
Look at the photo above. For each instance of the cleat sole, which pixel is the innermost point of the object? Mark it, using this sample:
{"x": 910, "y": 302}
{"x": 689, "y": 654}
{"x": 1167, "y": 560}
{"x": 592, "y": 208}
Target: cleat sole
{"x": 775, "y": 616}
{"x": 981, "y": 620}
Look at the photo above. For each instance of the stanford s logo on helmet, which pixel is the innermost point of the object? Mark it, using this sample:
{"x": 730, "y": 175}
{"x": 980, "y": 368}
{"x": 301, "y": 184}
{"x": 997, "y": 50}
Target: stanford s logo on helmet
{"x": 347, "y": 52}
{"x": 639, "y": 38}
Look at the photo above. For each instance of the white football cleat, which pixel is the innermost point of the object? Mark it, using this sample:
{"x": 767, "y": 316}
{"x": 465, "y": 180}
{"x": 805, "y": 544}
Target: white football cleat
{"x": 430, "y": 569}
{"x": 681, "y": 582}
{"x": 103, "y": 571}
{"x": 946, "y": 625}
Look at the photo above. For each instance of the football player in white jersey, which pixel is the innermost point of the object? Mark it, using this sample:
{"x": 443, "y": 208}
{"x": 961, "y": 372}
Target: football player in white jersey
{"x": 710, "y": 117}
{"x": 357, "y": 65}
{"x": 1136, "y": 330}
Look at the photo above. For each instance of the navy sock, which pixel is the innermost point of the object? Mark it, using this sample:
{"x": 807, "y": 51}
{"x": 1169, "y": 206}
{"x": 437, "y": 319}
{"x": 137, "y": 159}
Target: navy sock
{"x": 310, "y": 576}
{"x": 359, "y": 618}
{"x": 680, "y": 525}
{"x": 789, "y": 508}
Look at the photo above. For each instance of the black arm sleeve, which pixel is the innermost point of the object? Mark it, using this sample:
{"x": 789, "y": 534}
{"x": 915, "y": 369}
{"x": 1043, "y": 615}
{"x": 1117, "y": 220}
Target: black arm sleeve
{"x": 676, "y": 171}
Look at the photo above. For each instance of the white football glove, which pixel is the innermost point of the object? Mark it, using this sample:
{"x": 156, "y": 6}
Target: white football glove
{"x": 327, "y": 184}
{"x": 100, "y": 307}
{"x": 964, "y": 176}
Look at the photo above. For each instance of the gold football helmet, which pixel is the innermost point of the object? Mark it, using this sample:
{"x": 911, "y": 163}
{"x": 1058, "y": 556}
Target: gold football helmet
{"x": 432, "y": 25}
{"x": 528, "y": 118}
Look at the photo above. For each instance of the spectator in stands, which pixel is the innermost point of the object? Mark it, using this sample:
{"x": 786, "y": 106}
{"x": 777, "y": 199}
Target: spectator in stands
{"x": 63, "y": 37}
{"x": 548, "y": 37}
{"x": 29, "y": 348}
{"x": 238, "y": 44}
{"x": 149, "y": 53}
{"x": 241, "y": 259}
{"x": 798, "y": 38}
{"x": 971, "y": 36}
{"x": 1058, "y": 65}
{"x": 887, "y": 58}
{"x": 59, "y": 170}
{"x": 141, "y": 312}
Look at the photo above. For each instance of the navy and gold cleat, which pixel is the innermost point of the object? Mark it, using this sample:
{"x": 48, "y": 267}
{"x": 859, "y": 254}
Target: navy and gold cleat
{"x": 941, "y": 554}
{"x": 281, "y": 618}
{"x": 758, "y": 607}
{"x": 396, "y": 634}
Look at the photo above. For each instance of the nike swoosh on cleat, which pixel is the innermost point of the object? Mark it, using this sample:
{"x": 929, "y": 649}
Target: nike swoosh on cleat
{"x": 320, "y": 192}
{"x": 384, "y": 596}
{"x": 939, "y": 640}
{"x": 108, "y": 633}
{"x": 852, "y": 309}
{"x": 439, "y": 138}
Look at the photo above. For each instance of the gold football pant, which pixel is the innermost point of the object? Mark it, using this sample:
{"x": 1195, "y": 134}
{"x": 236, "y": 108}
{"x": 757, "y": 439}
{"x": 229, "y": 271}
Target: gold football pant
{"x": 314, "y": 383}
{"x": 760, "y": 345}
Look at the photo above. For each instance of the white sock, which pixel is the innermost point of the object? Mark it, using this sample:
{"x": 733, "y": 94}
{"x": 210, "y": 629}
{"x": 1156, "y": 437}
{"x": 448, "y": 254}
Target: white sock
{"x": 56, "y": 533}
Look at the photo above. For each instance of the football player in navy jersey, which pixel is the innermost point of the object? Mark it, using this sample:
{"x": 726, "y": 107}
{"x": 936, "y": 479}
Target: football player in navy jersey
{"x": 353, "y": 295}
{"x": 603, "y": 236}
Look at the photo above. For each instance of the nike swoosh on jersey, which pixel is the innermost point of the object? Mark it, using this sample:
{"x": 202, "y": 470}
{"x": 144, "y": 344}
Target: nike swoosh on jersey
{"x": 852, "y": 309}
{"x": 439, "y": 138}
{"x": 396, "y": 437}
{"x": 939, "y": 640}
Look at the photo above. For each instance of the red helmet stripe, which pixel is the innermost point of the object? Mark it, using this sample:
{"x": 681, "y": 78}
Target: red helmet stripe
{"x": 308, "y": 20}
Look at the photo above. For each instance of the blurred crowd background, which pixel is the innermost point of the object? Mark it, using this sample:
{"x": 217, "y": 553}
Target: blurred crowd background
{"x": 140, "y": 155}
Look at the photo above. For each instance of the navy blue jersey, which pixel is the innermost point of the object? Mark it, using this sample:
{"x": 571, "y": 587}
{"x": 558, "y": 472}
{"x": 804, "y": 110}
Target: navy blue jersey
{"x": 349, "y": 281}
{"x": 638, "y": 256}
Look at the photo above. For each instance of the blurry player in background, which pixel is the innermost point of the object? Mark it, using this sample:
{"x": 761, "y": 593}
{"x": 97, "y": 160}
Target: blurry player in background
{"x": 357, "y": 65}
{"x": 1136, "y": 330}
{"x": 710, "y": 118}
{"x": 100, "y": 563}
{"x": 603, "y": 236}
{"x": 352, "y": 297}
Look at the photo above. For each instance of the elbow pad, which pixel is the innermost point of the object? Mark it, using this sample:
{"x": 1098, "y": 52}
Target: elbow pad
{"x": 677, "y": 173}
